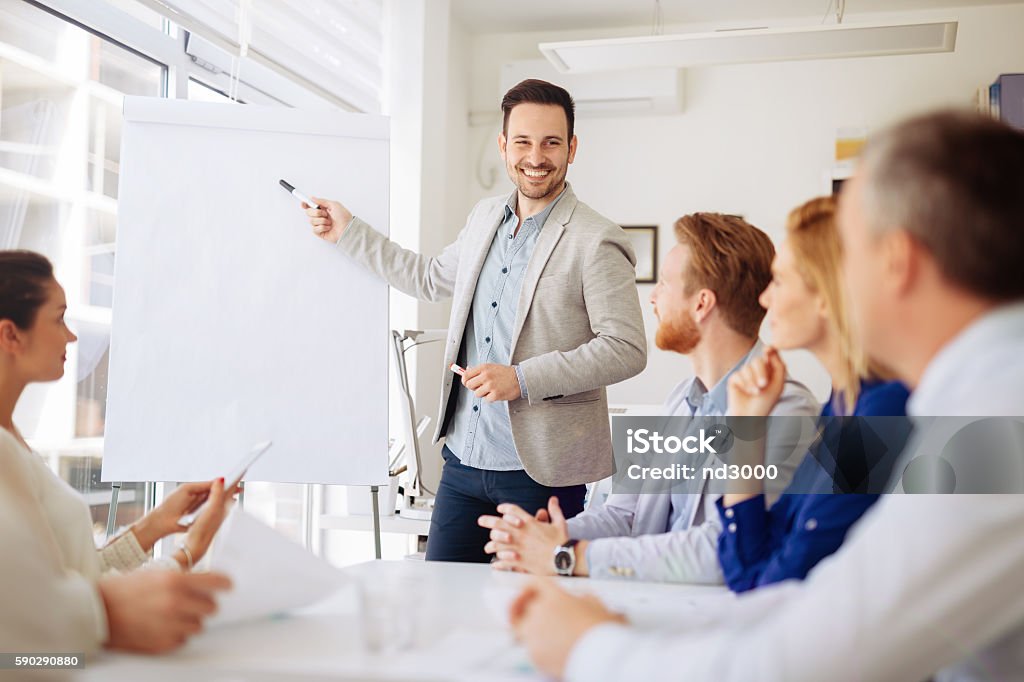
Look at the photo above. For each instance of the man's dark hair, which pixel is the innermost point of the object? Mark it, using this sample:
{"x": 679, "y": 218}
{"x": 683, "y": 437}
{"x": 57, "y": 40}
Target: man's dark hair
{"x": 954, "y": 180}
{"x": 535, "y": 91}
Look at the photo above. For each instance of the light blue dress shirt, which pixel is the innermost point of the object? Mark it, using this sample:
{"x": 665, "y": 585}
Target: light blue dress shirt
{"x": 480, "y": 434}
{"x": 693, "y": 399}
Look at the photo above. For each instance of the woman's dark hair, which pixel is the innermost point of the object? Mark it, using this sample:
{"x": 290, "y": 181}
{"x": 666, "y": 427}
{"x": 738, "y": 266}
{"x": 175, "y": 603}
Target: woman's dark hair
{"x": 23, "y": 279}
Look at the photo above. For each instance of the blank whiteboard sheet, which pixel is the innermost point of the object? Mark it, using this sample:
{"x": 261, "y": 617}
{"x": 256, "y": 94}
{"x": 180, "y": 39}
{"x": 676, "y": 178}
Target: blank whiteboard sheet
{"x": 232, "y": 322}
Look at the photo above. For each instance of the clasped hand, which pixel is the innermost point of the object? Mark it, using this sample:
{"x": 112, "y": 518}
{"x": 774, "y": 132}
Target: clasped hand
{"x": 526, "y": 543}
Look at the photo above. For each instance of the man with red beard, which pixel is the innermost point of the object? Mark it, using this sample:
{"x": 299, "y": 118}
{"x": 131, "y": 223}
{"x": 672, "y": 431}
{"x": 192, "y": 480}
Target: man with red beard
{"x": 706, "y": 301}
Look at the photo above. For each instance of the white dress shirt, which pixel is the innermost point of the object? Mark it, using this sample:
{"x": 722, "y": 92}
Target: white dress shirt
{"x": 924, "y": 585}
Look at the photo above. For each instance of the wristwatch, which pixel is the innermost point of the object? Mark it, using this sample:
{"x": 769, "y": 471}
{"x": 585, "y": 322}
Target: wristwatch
{"x": 565, "y": 558}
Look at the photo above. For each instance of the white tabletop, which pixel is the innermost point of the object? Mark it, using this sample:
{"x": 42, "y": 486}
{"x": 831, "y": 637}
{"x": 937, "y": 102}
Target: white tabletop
{"x": 458, "y": 615}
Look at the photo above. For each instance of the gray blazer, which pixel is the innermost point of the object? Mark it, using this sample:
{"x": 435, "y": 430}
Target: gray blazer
{"x": 578, "y": 326}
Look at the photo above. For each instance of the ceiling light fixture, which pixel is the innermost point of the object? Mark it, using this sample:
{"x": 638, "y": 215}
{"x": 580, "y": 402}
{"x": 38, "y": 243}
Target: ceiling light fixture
{"x": 751, "y": 46}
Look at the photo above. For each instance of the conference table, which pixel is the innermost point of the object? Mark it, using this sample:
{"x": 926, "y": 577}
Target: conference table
{"x": 440, "y": 621}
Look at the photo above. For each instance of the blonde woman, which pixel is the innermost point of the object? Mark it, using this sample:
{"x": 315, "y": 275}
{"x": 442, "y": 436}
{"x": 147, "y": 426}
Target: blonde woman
{"x": 807, "y": 309}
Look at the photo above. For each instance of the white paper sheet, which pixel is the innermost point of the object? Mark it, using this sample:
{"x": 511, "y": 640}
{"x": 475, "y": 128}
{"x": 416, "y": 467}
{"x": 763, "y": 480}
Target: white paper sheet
{"x": 270, "y": 574}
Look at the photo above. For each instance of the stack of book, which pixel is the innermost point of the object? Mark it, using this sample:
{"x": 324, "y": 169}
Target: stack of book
{"x": 1004, "y": 99}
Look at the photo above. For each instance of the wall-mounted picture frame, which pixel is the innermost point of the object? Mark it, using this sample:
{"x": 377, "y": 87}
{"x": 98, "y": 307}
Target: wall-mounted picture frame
{"x": 645, "y": 245}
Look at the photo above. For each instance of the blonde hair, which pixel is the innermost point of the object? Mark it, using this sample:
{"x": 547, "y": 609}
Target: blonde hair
{"x": 814, "y": 240}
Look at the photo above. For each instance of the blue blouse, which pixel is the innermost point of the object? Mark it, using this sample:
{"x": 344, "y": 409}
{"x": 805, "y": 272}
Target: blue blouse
{"x": 760, "y": 546}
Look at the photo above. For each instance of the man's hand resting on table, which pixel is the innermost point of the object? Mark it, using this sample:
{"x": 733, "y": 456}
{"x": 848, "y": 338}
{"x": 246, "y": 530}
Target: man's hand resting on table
{"x": 527, "y": 544}
{"x": 549, "y": 622}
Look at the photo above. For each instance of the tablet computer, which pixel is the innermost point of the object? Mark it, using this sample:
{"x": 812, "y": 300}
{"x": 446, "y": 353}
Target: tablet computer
{"x": 237, "y": 473}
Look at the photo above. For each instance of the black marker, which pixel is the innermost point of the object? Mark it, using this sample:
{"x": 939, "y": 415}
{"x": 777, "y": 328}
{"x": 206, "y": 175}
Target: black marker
{"x": 298, "y": 195}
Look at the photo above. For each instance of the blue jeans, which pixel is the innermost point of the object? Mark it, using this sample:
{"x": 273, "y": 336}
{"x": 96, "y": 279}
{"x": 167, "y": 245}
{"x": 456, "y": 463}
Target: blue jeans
{"x": 465, "y": 494}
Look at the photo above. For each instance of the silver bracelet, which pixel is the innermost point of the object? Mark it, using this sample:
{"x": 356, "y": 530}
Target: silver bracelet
{"x": 188, "y": 556}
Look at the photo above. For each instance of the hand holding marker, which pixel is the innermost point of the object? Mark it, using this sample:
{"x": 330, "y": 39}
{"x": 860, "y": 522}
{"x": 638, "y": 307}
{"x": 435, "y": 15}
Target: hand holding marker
{"x": 328, "y": 218}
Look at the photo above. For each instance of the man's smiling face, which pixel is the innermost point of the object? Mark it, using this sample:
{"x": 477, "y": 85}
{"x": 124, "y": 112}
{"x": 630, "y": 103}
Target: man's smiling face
{"x": 535, "y": 149}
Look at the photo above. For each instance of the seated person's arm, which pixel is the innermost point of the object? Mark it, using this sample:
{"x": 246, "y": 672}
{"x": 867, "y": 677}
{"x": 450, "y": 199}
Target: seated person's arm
{"x": 755, "y": 549}
{"x": 130, "y": 549}
{"x": 527, "y": 544}
{"x": 48, "y": 608}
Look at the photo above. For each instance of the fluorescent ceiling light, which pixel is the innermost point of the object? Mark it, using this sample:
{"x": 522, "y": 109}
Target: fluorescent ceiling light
{"x": 751, "y": 45}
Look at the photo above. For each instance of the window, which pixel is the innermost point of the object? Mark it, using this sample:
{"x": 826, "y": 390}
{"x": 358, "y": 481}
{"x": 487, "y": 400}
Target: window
{"x": 65, "y": 67}
{"x": 61, "y": 89}
{"x": 204, "y": 93}
{"x": 333, "y": 49}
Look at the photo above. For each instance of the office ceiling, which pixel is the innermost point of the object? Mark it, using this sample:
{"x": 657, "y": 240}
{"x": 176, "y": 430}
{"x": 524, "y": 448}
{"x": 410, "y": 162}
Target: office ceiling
{"x": 497, "y": 16}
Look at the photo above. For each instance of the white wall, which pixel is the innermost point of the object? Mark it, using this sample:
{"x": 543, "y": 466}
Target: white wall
{"x": 425, "y": 96}
{"x": 752, "y": 139}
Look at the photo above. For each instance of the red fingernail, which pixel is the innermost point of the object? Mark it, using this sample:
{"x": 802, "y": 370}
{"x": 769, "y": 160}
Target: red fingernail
{"x": 221, "y": 479}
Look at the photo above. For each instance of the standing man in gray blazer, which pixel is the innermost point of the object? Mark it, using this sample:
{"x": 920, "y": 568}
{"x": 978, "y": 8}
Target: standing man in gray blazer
{"x": 707, "y": 306}
{"x": 545, "y": 315}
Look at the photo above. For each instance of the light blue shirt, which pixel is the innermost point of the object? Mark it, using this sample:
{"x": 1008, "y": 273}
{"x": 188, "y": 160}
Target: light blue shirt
{"x": 480, "y": 434}
{"x": 692, "y": 399}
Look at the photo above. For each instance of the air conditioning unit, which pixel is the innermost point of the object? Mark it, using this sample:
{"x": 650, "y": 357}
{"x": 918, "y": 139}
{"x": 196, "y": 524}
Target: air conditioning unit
{"x": 616, "y": 93}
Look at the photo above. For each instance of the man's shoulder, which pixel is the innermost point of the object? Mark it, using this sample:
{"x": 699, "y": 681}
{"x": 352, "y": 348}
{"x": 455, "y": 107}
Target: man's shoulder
{"x": 675, "y": 402}
{"x": 586, "y": 219}
{"x": 993, "y": 384}
{"x": 990, "y": 383}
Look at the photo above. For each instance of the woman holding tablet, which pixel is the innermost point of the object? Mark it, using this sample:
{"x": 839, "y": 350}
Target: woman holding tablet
{"x": 33, "y": 342}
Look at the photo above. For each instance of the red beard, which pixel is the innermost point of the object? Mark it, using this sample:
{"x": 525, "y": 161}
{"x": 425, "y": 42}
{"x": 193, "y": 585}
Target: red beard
{"x": 681, "y": 335}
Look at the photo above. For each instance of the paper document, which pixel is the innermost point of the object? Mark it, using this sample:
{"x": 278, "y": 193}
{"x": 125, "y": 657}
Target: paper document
{"x": 269, "y": 573}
